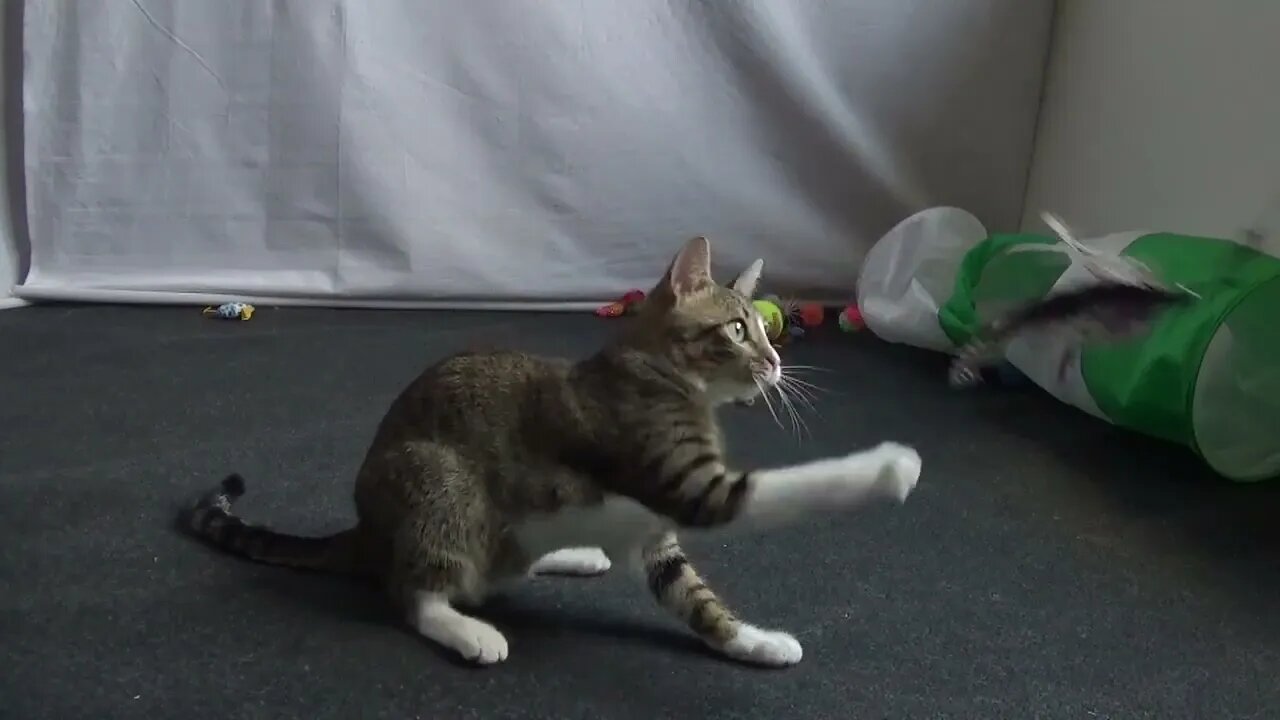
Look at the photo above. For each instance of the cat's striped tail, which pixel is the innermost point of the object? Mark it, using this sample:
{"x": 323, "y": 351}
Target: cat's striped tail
{"x": 211, "y": 520}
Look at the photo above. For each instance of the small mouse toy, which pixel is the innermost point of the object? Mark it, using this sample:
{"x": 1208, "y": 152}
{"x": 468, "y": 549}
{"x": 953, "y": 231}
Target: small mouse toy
{"x": 230, "y": 311}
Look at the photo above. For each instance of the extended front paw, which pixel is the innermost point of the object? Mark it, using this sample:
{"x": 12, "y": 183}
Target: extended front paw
{"x": 899, "y": 472}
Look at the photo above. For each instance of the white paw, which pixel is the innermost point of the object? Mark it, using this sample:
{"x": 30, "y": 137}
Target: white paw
{"x": 899, "y": 469}
{"x": 573, "y": 561}
{"x": 771, "y": 648}
{"x": 479, "y": 642}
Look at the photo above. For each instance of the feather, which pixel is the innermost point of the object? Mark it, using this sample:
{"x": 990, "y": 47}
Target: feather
{"x": 1105, "y": 312}
{"x": 1124, "y": 303}
{"x": 1105, "y": 267}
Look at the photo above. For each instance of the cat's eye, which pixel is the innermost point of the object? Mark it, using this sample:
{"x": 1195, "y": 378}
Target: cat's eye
{"x": 737, "y": 331}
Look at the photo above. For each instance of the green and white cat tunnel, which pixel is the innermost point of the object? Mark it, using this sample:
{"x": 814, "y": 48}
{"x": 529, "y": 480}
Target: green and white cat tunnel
{"x": 1206, "y": 375}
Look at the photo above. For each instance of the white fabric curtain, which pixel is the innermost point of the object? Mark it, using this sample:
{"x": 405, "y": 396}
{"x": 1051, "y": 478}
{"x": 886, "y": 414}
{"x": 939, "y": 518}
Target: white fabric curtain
{"x": 520, "y": 151}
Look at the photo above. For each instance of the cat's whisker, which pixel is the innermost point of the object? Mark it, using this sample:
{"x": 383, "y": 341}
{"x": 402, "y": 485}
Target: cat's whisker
{"x": 804, "y": 383}
{"x": 791, "y": 416}
{"x": 795, "y": 382}
{"x": 803, "y": 369}
{"x": 802, "y": 398}
{"x": 802, "y": 430}
{"x": 798, "y": 425}
{"x": 765, "y": 395}
{"x": 800, "y": 388}
{"x": 801, "y": 382}
{"x": 764, "y": 391}
{"x": 807, "y": 402}
{"x": 793, "y": 389}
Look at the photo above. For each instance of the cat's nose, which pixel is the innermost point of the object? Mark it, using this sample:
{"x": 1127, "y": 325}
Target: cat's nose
{"x": 772, "y": 368}
{"x": 774, "y": 361}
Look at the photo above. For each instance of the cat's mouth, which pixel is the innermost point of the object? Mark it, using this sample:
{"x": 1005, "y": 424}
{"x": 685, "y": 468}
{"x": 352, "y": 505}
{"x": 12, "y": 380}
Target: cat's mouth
{"x": 742, "y": 393}
{"x": 760, "y": 386}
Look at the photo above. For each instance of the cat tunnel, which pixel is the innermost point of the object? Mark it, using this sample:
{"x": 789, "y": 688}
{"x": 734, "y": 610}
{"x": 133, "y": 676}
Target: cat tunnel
{"x": 1206, "y": 376}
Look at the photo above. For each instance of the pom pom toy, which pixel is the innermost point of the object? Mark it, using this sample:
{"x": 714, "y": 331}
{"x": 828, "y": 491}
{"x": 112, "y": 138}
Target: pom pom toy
{"x": 624, "y": 305}
{"x": 230, "y": 311}
{"x": 810, "y": 315}
{"x": 851, "y": 319}
{"x": 786, "y": 319}
{"x": 775, "y": 321}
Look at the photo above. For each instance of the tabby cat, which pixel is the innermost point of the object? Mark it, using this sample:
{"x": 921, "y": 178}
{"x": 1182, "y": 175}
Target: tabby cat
{"x": 490, "y": 467}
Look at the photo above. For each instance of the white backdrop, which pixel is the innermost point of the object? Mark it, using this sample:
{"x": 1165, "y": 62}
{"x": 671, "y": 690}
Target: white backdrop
{"x": 512, "y": 150}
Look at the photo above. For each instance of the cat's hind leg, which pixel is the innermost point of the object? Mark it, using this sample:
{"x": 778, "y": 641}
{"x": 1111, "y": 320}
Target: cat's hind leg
{"x": 475, "y": 640}
{"x": 442, "y": 554}
{"x": 574, "y": 561}
{"x": 677, "y": 587}
{"x": 428, "y": 583}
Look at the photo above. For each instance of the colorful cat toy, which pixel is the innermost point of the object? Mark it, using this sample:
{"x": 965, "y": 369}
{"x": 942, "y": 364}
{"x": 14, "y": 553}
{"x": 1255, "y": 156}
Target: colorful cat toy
{"x": 786, "y": 320}
{"x": 230, "y": 311}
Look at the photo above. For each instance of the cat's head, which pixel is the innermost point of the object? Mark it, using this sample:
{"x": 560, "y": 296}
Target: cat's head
{"x": 711, "y": 332}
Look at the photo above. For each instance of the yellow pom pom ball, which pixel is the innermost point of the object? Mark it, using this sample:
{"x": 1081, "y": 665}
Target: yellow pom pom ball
{"x": 774, "y": 320}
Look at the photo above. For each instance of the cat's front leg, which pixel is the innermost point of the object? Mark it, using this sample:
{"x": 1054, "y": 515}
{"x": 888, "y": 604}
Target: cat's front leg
{"x": 889, "y": 471}
{"x": 702, "y": 495}
{"x": 677, "y": 587}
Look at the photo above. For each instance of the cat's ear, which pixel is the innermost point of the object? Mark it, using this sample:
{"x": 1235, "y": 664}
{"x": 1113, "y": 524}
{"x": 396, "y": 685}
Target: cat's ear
{"x": 691, "y": 269}
{"x": 746, "y": 282}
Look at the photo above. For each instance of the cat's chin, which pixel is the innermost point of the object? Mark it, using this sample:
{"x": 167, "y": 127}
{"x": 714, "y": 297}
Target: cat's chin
{"x": 746, "y": 398}
{"x": 741, "y": 395}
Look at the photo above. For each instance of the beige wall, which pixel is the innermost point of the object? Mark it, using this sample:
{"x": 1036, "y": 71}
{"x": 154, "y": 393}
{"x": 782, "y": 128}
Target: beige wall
{"x": 1160, "y": 114}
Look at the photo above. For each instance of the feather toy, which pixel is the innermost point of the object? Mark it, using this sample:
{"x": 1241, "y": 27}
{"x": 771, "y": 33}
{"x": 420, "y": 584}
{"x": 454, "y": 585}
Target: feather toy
{"x": 1124, "y": 303}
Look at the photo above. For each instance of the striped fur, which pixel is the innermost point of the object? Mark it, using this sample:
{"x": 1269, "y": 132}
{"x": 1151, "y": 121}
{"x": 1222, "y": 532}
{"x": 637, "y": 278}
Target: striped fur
{"x": 679, "y": 589}
{"x": 690, "y": 481}
{"x": 493, "y": 466}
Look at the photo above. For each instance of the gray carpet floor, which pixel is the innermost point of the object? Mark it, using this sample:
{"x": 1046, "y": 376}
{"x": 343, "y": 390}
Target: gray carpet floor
{"x": 1049, "y": 566}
